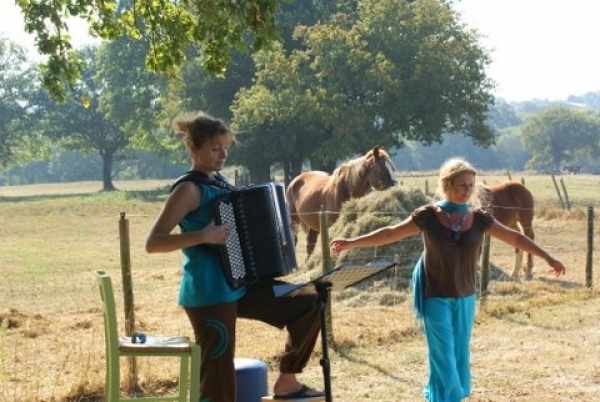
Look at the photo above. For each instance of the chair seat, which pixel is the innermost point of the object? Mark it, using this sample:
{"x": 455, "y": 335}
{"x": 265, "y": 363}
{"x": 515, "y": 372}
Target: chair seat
{"x": 187, "y": 353}
{"x": 156, "y": 344}
{"x": 271, "y": 398}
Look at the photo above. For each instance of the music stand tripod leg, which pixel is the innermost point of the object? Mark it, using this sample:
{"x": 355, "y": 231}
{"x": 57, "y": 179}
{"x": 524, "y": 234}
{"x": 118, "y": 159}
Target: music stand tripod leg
{"x": 323, "y": 292}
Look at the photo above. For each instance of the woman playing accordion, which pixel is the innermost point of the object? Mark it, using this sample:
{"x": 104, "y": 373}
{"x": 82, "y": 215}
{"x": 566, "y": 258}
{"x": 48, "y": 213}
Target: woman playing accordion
{"x": 205, "y": 294}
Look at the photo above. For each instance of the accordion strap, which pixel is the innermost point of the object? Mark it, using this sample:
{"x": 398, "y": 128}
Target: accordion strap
{"x": 201, "y": 178}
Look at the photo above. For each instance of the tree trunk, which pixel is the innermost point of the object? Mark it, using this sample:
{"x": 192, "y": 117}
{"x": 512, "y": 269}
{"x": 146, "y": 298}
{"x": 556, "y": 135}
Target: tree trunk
{"x": 286, "y": 172}
{"x": 107, "y": 161}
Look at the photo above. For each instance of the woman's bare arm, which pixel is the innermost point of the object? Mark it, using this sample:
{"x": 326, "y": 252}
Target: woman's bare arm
{"x": 184, "y": 199}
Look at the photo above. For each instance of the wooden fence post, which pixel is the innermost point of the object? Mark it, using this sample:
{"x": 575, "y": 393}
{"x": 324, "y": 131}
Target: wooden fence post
{"x": 485, "y": 267}
{"x": 522, "y": 180}
{"x": 236, "y": 178}
{"x": 426, "y": 187}
{"x": 564, "y": 188}
{"x": 324, "y": 233}
{"x": 131, "y": 385}
{"x": 589, "y": 269}
{"x": 562, "y": 204}
{"x": 508, "y": 174}
{"x": 396, "y": 280}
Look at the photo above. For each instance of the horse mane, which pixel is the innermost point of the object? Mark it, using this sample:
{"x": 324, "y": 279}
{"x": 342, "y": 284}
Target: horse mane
{"x": 349, "y": 175}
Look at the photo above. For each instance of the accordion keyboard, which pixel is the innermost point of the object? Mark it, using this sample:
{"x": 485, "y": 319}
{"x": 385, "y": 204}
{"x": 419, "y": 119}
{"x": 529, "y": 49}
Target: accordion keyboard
{"x": 232, "y": 244}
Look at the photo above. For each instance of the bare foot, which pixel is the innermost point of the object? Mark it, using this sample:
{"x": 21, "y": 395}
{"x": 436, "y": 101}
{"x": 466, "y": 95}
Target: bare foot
{"x": 286, "y": 384}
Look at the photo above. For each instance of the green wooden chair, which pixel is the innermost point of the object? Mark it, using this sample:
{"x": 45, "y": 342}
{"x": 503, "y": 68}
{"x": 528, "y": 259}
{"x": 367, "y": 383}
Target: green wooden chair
{"x": 116, "y": 347}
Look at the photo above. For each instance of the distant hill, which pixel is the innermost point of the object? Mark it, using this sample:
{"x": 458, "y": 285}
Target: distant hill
{"x": 589, "y": 100}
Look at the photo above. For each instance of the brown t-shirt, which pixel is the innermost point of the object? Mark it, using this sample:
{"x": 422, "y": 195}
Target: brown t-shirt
{"x": 450, "y": 264}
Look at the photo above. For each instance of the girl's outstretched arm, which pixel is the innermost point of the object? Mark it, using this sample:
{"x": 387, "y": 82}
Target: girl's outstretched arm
{"x": 522, "y": 242}
{"x": 378, "y": 237}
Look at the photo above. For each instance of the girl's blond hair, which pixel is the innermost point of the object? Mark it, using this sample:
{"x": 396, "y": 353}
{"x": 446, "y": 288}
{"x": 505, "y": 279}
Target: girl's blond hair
{"x": 449, "y": 170}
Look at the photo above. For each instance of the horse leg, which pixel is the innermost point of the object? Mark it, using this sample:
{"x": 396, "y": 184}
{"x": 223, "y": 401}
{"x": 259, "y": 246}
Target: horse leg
{"x": 295, "y": 226}
{"x": 529, "y": 270}
{"x": 311, "y": 241}
{"x": 518, "y": 264}
{"x": 518, "y": 258}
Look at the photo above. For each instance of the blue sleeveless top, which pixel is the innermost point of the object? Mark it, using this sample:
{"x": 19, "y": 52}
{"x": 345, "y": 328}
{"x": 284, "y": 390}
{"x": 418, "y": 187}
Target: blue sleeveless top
{"x": 203, "y": 282}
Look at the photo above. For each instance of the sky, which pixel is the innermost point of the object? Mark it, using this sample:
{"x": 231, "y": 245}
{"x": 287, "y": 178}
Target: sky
{"x": 542, "y": 49}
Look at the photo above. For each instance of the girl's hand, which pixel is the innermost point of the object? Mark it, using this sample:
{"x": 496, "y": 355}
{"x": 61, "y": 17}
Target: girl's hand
{"x": 213, "y": 234}
{"x": 338, "y": 245}
{"x": 557, "y": 267}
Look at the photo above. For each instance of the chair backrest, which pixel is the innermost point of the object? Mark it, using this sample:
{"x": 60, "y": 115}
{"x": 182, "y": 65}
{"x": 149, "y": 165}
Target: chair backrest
{"x": 110, "y": 315}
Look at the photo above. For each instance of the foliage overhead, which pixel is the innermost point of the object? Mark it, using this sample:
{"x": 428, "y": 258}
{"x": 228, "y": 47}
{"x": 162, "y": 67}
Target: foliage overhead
{"x": 169, "y": 27}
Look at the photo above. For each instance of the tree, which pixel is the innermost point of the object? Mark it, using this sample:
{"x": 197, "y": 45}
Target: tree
{"x": 170, "y": 27}
{"x": 502, "y": 115}
{"x": 294, "y": 132}
{"x": 110, "y": 107}
{"x": 559, "y": 136}
{"x": 16, "y": 85}
{"x": 129, "y": 94}
{"x": 389, "y": 72}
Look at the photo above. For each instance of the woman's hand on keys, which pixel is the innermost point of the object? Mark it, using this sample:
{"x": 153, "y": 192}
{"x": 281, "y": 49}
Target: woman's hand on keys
{"x": 214, "y": 234}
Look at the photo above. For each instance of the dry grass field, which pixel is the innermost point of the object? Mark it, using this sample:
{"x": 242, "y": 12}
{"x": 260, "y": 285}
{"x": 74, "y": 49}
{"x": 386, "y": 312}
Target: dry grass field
{"x": 533, "y": 341}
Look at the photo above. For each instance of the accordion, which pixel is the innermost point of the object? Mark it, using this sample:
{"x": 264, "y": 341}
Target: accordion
{"x": 260, "y": 243}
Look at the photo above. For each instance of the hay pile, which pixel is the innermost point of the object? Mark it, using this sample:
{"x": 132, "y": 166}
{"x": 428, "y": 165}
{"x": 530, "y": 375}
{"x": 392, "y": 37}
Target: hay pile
{"x": 362, "y": 215}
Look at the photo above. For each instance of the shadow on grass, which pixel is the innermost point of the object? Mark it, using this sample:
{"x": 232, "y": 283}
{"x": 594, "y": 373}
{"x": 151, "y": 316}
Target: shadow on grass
{"x": 142, "y": 195}
{"x": 562, "y": 283}
{"x": 45, "y": 197}
{"x": 499, "y": 275}
{"x": 525, "y": 321}
{"x": 345, "y": 352}
{"x": 158, "y": 194}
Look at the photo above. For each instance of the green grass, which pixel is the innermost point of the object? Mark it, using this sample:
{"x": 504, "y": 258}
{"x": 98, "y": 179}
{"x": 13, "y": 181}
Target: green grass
{"x": 582, "y": 189}
{"x": 55, "y": 236}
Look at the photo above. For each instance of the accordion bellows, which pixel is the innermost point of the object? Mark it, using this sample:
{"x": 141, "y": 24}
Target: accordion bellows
{"x": 260, "y": 244}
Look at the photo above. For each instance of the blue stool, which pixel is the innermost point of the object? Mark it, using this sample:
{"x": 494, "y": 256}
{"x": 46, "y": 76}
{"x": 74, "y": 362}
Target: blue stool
{"x": 251, "y": 380}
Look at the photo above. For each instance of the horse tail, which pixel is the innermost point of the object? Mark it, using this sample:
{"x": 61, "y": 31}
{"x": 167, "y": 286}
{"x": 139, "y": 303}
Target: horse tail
{"x": 290, "y": 196}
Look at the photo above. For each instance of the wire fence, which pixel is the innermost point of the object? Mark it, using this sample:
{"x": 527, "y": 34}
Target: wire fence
{"x": 51, "y": 329}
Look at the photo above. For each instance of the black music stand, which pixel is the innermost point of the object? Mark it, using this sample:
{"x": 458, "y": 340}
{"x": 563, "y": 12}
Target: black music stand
{"x": 338, "y": 279}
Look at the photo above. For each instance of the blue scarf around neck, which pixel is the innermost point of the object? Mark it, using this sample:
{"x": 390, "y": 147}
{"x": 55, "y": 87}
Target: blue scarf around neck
{"x": 451, "y": 207}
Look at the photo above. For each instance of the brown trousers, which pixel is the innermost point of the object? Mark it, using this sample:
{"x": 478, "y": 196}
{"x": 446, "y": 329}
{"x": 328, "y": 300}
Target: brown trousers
{"x": 214, "y": 329}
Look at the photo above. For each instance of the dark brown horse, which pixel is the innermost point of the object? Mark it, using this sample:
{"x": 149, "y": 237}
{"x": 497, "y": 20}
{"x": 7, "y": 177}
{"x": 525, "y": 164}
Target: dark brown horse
{"x": 512, "y": 205}
{"x": 309, "y": 191}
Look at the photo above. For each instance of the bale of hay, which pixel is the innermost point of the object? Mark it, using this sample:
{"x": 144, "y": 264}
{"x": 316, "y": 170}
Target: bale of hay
{"x": 362, "y": 215}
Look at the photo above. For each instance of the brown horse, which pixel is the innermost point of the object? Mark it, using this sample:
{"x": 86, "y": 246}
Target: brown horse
{"x": 309, "y": 191}
{"x": 512, "y": 205}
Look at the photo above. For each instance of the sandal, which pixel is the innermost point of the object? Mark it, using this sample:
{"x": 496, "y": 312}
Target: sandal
{"x": 303, "y": 393}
